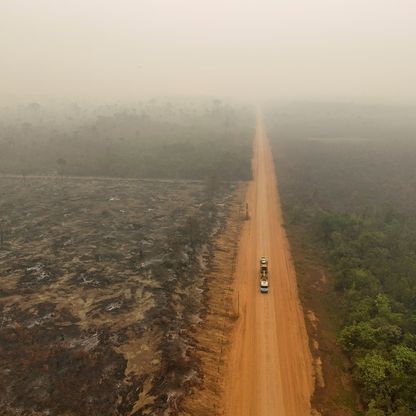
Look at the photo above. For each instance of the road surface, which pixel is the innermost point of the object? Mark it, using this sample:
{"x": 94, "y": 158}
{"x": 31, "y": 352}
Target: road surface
{"x": 269, "y": 365}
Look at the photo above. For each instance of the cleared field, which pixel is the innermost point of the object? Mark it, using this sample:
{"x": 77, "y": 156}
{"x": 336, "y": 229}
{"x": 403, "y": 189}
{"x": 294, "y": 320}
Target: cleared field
{"x": 102, "y": 286}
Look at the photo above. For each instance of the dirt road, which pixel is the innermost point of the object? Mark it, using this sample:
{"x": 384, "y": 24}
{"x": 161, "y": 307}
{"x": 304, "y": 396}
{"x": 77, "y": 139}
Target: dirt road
{"x": 270, "y": 370}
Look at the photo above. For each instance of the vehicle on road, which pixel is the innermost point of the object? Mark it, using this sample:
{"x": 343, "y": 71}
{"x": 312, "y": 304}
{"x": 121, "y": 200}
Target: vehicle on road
{"x": 264, "y": 286}
{"x": 264, "y": 275}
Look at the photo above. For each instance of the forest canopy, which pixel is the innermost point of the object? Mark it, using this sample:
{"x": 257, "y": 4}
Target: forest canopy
{"x": 347, "y": 175}
{"x": 151, "y": 139}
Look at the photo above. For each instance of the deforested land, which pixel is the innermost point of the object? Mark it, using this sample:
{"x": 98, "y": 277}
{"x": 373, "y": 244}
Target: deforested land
{"x": 105, "y": 279}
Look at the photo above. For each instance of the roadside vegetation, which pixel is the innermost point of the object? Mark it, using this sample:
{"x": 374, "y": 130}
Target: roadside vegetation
{"x": 347, "y": 177}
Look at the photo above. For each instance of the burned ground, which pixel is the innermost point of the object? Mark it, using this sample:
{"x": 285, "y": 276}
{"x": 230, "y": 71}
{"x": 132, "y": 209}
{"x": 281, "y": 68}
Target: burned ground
{"x": 102, "y": 287}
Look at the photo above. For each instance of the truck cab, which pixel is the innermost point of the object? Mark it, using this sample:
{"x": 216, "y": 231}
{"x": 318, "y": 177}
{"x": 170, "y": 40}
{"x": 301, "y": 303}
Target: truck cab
{"x": 264, "y": 286}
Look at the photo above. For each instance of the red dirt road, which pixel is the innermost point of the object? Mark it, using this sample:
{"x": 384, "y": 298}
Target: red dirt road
{"x": 269, "y": 368}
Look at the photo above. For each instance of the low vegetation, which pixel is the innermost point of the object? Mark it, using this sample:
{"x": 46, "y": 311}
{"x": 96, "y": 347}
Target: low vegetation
{"x": 348, "y": 178}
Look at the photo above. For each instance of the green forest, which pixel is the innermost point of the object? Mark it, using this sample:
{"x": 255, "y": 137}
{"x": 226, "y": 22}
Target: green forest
{"x": 347, "y": 175}
{"x": 181, "y": 139}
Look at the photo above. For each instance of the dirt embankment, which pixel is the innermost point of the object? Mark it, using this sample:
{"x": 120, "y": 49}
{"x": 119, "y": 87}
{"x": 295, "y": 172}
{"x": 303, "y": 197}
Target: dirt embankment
{"x": 335, "y": 393}
{"x": 212, "y": 335}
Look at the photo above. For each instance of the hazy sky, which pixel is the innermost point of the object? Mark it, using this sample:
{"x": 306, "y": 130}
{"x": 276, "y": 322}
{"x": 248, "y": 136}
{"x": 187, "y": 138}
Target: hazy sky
{"x": 127, "y": 49}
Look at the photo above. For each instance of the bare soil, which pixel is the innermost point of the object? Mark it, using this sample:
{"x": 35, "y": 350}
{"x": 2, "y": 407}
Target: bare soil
{"x": 102, "y": 289}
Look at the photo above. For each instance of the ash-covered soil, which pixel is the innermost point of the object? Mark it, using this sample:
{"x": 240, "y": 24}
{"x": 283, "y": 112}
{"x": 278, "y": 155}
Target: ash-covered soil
{"x": 102, "y": 284}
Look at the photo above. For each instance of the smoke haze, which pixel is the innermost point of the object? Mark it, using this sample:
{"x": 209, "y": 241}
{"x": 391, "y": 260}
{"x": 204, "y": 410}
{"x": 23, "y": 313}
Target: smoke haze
{"x": 125, "y": 49}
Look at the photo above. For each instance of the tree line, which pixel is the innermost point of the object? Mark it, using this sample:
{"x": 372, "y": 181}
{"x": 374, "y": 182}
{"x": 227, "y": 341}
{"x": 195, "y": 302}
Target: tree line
{"x": 154, "y": 139}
